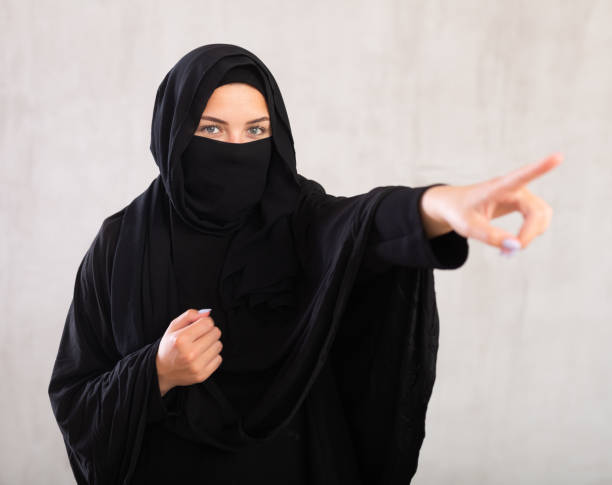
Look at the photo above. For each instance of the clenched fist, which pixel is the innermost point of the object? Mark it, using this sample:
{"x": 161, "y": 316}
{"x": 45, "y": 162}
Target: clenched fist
{"x": 188, "y": 352}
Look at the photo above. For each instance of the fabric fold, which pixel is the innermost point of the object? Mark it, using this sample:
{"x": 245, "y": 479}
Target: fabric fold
{"x": 97, "y": 395}
{"x": 398, "y": 236}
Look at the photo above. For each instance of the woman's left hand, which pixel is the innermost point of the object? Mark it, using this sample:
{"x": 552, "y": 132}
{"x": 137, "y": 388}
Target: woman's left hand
{"x": 467, "y": 209}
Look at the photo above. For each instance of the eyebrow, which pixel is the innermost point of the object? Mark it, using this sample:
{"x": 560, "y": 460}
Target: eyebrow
{"x": 217, "y": 120}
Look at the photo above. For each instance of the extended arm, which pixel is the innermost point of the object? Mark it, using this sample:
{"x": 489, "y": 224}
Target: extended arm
{"x": 399, "y": 236}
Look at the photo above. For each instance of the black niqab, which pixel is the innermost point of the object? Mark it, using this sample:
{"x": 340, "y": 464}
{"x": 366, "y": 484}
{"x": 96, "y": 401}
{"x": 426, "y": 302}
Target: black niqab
{"x": 225, "y": 181}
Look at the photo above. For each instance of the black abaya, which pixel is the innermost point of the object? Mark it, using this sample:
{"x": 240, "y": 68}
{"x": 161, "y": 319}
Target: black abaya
{"x": 329, "y": 323}
{"x": 397, "y": 237}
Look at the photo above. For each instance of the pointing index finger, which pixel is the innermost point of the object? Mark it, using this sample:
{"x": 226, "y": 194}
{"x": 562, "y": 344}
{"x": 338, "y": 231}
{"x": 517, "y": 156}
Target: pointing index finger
{"x": 526, "y": 173}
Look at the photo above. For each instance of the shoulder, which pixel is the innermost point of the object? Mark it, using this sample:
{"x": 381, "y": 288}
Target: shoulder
{"x": 110, "y": 228}
{"x": 101, "y": 251}
{"x": 313, "y": 198}
{"x": 108, "y": 232}
{"x": 310, "y": 189}
{"x": 103, "y": 247}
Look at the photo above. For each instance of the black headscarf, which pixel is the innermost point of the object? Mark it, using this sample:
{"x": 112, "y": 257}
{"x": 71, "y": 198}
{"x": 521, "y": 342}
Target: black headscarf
{"x": 259, "y": 247}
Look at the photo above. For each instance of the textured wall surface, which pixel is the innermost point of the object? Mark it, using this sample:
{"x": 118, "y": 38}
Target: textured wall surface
{"x": 378, "y": 93}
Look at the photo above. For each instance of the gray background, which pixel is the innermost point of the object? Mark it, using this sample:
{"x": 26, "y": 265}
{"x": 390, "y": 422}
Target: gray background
{"x": 378, "y": 93}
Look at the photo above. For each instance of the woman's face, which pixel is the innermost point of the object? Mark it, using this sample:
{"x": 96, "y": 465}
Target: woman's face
{"x": 235, "y": 113}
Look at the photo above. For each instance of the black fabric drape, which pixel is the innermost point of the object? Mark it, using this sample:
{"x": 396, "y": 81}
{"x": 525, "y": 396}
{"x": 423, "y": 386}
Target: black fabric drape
{"x": 345, "y": 331}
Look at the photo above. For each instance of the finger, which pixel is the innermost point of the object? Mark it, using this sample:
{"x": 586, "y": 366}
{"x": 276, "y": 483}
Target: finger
{"x": 521, "y": 176}
{"x": 207, "y": 339}
{"x": 210, "y": 368}
{"x": 208, "y": 355}
{"x": 480, "y": 228}
{"x": 186, "y": 318}
{"x": 537, "y": 214}
{"x": 192, "y": 350}
{"x": 197, "y": 329}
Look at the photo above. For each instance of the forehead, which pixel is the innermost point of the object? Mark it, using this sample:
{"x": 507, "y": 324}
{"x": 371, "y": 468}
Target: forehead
{"x": 236, "y": 97}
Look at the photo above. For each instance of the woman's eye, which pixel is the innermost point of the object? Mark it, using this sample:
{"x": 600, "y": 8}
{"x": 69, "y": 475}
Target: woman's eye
{"x": 257, "y": 128}
{"x": 206, "y": 129}
{"x": 210, "y": 130}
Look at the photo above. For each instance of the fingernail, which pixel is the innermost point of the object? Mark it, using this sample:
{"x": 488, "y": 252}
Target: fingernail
{"x": 508, "y": 253}
{"x": 204, "y": 310}
{"x": 511, "y": 244}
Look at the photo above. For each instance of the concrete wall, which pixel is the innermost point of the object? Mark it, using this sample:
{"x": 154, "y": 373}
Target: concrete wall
{"x": 378, "y": 93}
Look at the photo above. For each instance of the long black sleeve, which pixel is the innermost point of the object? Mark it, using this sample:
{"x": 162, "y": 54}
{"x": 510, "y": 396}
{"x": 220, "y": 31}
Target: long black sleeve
{"x": 100, "y": 399}
{"x": 160, "y": 406}
{"x": 398, "y": 236}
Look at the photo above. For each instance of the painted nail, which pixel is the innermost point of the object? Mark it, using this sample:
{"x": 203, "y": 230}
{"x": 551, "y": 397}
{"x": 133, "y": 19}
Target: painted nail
{"x": 511, "y": 244}
{"x": 204, "y": 310}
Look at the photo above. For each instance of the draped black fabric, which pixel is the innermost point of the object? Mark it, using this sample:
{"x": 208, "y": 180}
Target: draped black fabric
{"x": 326, "y": 304}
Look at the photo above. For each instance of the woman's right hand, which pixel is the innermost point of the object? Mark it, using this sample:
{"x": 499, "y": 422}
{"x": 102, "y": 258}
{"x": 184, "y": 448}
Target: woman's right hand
{"x": 188, "y": 352}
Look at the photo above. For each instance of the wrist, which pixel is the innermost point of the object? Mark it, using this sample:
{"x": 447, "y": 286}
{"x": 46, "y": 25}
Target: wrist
{"x": 163, "y": 383}
{"x": 429, "y": 207}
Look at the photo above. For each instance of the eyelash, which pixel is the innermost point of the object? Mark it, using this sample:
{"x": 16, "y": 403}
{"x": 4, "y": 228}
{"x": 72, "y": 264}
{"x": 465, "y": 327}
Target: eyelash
{"x": 204, "y": 128}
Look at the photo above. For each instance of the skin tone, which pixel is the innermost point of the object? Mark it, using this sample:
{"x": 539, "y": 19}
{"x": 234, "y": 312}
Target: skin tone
{"x": 235, "y": 113}
{"x": 189, "y": 351}
{"x": 468, "y": 209}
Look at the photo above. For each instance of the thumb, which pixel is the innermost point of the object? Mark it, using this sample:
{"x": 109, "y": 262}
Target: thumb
{"x": 188, "y": 317}
{"x": 480, "y": 228}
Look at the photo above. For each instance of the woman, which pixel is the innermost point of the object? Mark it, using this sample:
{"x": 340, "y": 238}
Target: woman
{"x": 314, "y": 357}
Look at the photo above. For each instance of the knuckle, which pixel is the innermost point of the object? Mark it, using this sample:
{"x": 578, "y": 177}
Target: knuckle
{"x": 173, "y": 339}
{"x": 195, "y": 371}
{"x": 178, "y": 341}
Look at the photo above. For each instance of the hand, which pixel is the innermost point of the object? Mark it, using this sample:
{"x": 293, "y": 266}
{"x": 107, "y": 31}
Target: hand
{"x": 468, "y": 209}
{"x": 188, "y": 351}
